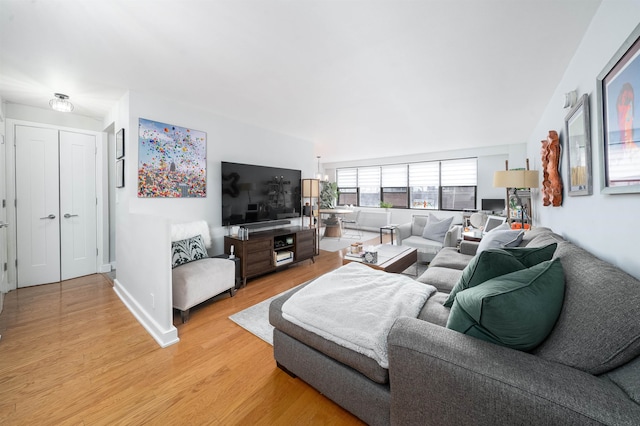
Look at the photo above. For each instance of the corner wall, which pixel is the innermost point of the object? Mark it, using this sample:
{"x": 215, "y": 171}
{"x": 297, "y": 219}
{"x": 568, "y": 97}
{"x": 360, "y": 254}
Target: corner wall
{"x": 143, "y": 263}
{"x": 603, "y": 224}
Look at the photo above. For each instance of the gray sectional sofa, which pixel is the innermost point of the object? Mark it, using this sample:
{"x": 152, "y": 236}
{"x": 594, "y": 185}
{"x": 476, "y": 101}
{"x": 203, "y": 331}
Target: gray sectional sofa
{"x": 587, "y": 371}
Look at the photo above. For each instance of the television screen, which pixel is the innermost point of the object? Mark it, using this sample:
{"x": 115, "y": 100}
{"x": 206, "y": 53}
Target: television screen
{"x": 493, "y": 204}
{"x": 253, "y": 193}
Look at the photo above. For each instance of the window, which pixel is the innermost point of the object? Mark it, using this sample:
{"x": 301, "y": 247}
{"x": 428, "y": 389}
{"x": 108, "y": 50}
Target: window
{"x": 424, "y": 181}
{"x": 394, "y": 185}
{"x": 444, "y": 185}
{"x": 347, "y": 180}
{"x": 458, "y": 180}
{"x": 369, "y": 186}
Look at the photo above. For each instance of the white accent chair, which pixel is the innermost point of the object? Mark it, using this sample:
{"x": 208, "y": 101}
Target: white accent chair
{"x": 410, "y": 235}
{"x": 351, "y": 222}
{"x": 199, "y": 280}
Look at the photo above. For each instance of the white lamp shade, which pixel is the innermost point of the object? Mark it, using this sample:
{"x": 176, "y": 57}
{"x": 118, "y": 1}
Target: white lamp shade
{"x": 310, "y": 188}
{"x": 516, "y": 179}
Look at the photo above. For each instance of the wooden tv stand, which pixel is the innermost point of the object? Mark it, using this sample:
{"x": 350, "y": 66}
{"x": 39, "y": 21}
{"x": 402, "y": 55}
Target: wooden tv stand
{"x": 266, "y": 251}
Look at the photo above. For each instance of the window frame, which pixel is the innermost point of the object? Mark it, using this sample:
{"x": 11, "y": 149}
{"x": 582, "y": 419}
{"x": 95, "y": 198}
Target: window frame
{"x": 408, "y": 204}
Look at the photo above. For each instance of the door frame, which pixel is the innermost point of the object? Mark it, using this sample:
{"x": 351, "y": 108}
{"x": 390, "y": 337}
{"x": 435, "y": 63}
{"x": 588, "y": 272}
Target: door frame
{"x": 102, "y": 232}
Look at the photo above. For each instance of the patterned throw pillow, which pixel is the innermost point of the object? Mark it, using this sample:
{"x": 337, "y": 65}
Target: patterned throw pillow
{"x": 185, "y": 251}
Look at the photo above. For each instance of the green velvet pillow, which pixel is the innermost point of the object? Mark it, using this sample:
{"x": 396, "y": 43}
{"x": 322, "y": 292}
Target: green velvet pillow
{"x": 517, "y": 310}
{"x": 530, "y": 256}
{"x": 485, "y": 265}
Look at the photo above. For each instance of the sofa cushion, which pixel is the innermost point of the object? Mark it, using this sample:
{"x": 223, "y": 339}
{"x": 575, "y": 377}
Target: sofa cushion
{"x": 500, "y": 238}
{"x": 422, "y": 244}
{"x": 484, "y": 266}
{"x": 196, "y": 282}
{"x": 516, "y": 310}
{"x": 598, "y": 328}
{"x": 433, "y": 311}
{"x": 436, "y": 229}
{"x": 441, "y": 278}
{"x": 449, "y": 257}
{"x": 188, "y": 250}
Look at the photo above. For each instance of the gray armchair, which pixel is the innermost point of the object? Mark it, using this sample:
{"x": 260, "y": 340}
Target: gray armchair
{"x": 411, "y": 235}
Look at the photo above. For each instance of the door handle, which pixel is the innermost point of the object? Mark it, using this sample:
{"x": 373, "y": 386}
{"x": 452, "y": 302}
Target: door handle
{"x": 67, "y": 215}
{"x": 51, "y": 216}
{"x": 4, "y": 225}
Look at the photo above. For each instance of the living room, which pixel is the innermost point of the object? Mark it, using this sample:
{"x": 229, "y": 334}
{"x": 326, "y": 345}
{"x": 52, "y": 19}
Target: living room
{"x": 142, "y": 226}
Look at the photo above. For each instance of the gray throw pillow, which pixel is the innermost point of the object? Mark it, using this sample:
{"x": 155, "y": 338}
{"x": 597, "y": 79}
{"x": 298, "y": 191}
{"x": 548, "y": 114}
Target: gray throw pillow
{"x": 499, "y": 239}
{"x": 435, "y": 229}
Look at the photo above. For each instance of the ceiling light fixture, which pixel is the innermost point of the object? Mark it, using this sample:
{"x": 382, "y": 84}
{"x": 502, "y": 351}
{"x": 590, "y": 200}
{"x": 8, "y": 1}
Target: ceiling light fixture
{"x": 60, "y": 103}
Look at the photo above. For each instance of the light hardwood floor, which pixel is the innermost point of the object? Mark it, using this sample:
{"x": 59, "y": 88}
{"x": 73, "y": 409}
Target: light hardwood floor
{"x": 71, "y": 353}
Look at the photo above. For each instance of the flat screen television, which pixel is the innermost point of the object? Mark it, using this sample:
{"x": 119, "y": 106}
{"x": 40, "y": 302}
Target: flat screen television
{"x": 493, "y": 204}
{"x": 252, "y": 193}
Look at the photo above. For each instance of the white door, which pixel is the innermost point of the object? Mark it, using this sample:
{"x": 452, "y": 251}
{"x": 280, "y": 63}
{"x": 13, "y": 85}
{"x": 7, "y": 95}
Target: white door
{"x": 37, "y": 206}
{"x": 3, "y": 223}
{"x": 77, "y": 204}
{"x": 56, "y": 205}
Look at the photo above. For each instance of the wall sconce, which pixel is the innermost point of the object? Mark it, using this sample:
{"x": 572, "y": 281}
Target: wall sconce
{"x": 570, "y": 99}
{"x": 60, "y": 103}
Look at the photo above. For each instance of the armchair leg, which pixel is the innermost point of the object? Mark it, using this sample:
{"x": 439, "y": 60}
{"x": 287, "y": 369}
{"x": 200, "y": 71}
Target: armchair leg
{"x": 184, "y": 316}
{"x": 232, "y": 291}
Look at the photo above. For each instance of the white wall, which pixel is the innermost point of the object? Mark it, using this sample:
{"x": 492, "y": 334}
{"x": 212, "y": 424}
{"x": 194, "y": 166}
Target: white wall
{"x": 227, "y": 140}
{"x": 46, "y": 115}
{"x": 602, "y": 224}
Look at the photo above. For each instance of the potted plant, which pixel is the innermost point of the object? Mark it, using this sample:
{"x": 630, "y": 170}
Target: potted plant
{"x": 329, "y": 195}
{"x": 386, "y": 206}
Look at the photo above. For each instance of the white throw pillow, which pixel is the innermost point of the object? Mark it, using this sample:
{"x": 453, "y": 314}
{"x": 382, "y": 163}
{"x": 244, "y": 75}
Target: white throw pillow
{"x": 436, "y": 229}
{"x": 498, "y": 238}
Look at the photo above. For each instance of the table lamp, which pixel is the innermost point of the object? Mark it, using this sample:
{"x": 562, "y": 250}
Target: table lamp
{"x": 514, "y": 180}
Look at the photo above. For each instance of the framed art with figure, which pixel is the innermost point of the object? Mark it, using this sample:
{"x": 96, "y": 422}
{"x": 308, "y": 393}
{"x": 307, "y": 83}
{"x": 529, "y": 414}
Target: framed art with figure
{"x": 578, "y": 145}
{"x": 619, "y": 119}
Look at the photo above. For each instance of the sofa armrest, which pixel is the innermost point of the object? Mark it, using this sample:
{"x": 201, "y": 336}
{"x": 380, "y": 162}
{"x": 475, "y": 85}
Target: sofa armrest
{"x": 440, "y": 376}
{"x": 452, "y": 235}
{"x": 403, "y": 231}
{"x": 469, "y": 247}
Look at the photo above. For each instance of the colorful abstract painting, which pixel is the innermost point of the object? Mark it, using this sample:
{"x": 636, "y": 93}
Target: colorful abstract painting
{"x": 172, "y": 161}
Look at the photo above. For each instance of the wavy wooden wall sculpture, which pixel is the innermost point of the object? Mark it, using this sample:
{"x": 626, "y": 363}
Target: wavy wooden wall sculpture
{"x": 551, "y": 179}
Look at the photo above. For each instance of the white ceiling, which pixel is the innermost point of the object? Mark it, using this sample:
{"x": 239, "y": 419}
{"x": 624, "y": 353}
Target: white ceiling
{"x": 359, "y": 78}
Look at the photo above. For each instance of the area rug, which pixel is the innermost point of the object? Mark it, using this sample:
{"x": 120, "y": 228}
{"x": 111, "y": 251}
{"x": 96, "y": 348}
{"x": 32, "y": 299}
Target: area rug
{"x": 335, "y": 244}
{"x": 255, "y": 319}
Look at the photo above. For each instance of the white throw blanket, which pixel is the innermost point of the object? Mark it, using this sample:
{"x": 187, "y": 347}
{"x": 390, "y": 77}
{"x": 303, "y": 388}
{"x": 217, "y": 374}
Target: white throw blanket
{"x": 355, "y": 307}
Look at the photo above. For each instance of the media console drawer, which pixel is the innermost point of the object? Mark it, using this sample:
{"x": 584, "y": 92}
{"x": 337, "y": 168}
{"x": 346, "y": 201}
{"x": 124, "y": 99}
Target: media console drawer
{"x": 260, "y": 245}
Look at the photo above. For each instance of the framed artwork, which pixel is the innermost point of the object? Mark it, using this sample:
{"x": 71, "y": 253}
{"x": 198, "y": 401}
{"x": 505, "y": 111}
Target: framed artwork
{"x": 172, "y": 161}
{"x": 619, "y": 119}
{"x": 120, "y": 144}
{"x": 120, "y": 173}
{"x": 577, "y": 126}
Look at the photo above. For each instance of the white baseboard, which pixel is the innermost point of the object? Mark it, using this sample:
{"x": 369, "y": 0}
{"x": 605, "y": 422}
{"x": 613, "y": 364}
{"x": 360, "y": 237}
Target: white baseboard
{"x": 104, "y": 268}
{"x": 163, "y": 337}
